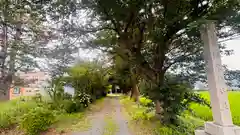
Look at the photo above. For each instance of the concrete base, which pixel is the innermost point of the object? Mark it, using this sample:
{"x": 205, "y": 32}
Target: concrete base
{"x": 213, "y": 129}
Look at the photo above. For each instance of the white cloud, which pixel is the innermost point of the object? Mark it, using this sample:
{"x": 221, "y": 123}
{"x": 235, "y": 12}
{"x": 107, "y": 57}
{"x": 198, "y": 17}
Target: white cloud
{"x": 233, "y": 61}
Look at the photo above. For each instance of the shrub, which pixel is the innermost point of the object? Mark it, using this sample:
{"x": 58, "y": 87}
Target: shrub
{"x": 36, "y": 120}
{"x": 11, "y": 114}
{"x": 67, "y": 96}
{"x": 146, "y": 102}
{"x": 5, "y": 120}
{"x": 175, "y": 96}
{"x": 76, "y": 104}
{"x": 83, "y": 99}
{"x": 175, "y": 99}
{"x": 71, "y": 106}
{"x": 37, "y": 97}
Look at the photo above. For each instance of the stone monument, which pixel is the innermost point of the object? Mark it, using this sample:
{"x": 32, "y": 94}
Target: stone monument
{"x": 222, "y": 120}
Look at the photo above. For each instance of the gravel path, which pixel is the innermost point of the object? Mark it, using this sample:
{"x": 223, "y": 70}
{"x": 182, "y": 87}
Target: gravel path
{"x": 111, "y": 104}
{"x": 120, "y": 120}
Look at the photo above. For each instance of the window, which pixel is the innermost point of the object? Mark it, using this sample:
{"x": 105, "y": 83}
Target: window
{"x": 28, "y": 90}
{"x": 16, "y": 90}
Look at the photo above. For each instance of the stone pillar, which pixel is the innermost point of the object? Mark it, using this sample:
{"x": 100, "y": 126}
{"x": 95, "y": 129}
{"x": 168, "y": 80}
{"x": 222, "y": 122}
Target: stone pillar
{"x": 222, "y": 120}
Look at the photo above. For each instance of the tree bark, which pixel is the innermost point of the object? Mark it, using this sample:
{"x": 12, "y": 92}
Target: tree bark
{"x": 135, "y": 92}
{"x": 158, "y": 107}
{"x": 4, "y": 91}
{"x": 160, "y": 81}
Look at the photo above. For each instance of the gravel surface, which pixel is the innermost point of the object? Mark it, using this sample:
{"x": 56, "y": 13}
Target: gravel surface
{"x": 112, "y": 106}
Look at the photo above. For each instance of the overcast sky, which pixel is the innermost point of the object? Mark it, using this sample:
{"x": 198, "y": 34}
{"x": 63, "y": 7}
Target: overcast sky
{"x": 233, "y": 61}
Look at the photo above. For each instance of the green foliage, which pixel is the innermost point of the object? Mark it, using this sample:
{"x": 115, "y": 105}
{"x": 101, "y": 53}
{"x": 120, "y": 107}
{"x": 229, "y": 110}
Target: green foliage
{"x": 77, "y": 103}
{"x": 12, "y": 111}
{"x": 88, "y": 78}
{"x": 175, "y": 96}
{"x": 187, "y": 126}
{"x": 83, "y": 99}
{"x": 146, "y": 102}
{"x": 6, "y": 120}
{"x": 176, "y": 100}
{"x": 36, "y": 120}
{"x": 163, "y": 39}
{"x": 71, "y": 107}
{"x": 142, "y": 119}
{"x": 111, "y": 126}
{"x": 140, "y": 111}
{"x": 89, "y": 81}
{"x": 205, "y": 113}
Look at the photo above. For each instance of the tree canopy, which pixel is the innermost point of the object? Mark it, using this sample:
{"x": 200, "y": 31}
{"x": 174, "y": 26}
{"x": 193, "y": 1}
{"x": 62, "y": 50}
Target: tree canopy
{"x": 147, "y": 40}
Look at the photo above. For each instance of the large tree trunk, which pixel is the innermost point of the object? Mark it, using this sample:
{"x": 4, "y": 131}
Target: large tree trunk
{"x": 4, "y": 91}
{"x": 158, "y": 107}
{"x": 135, "y": 92}
{"x": 4, "y": 94}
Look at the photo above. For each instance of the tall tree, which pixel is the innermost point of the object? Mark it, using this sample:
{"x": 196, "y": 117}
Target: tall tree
{"x": 162, "y": 36}
{"x": 21, "y": 24}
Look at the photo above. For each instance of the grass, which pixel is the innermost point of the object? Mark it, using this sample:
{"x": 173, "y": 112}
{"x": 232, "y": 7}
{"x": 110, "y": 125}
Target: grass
{"x": 143, "y": 122}
{"x": 205, "y": 113}
{"x": 77, "y": 122}
{"x": 71, "y": 122}
{"x": 110, "y": 127}
{"x": 12, "y": 111}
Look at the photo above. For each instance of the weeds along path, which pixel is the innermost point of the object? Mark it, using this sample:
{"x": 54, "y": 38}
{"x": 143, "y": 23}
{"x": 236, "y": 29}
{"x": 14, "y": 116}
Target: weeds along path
{"x": 107, "y": 121}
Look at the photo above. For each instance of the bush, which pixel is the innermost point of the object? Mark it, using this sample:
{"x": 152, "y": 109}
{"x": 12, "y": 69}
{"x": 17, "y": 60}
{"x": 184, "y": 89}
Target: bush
{"x": 89, "y": 82}
{"x": 37, "y": 98}
{"x": 76, "y": 104}
{"x": 36, "y": 120}
{"x": 10, "y": 115}
{"x": 5, "y": 120}
{"x": 71, "y": 106}
{"x": 83, "y": 99}
{"x": 175, "y": 99}
{"x": 146, "y": 102}
{"x": 175, "y": 96}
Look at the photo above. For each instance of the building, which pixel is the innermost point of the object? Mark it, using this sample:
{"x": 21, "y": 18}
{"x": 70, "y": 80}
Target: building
{"x": 34, "y": 83}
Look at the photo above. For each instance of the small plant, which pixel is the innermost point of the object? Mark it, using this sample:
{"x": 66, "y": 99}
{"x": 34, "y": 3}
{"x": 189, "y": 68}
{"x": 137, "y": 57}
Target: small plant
{"x": 110, "y": 127}
{"x": 77, "y": 104}
{"x": 36, "y": 120}
{"x": 83, "y": 99}
{"x": 10, "y": 115}
{"x": 175, "y": 96}
{"x": 5, "y": 120}
{"x": 71, "y": 106}
{"x": 37, "y": 97}
{"x": 146, "y": 102}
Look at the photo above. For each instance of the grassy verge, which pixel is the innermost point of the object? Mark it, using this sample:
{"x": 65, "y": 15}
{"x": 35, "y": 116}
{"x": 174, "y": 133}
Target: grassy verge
{"x": 71, "y": 122}
{"x": 77, "y": 121}
{"x": 11, "y": 111}
{"x": 11, "y": 114}
{"x": 205, "y": 113}
{"x": 138, "y": 122}
{"x": 110, "y": 127}
{"x": 143, "y": 122}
